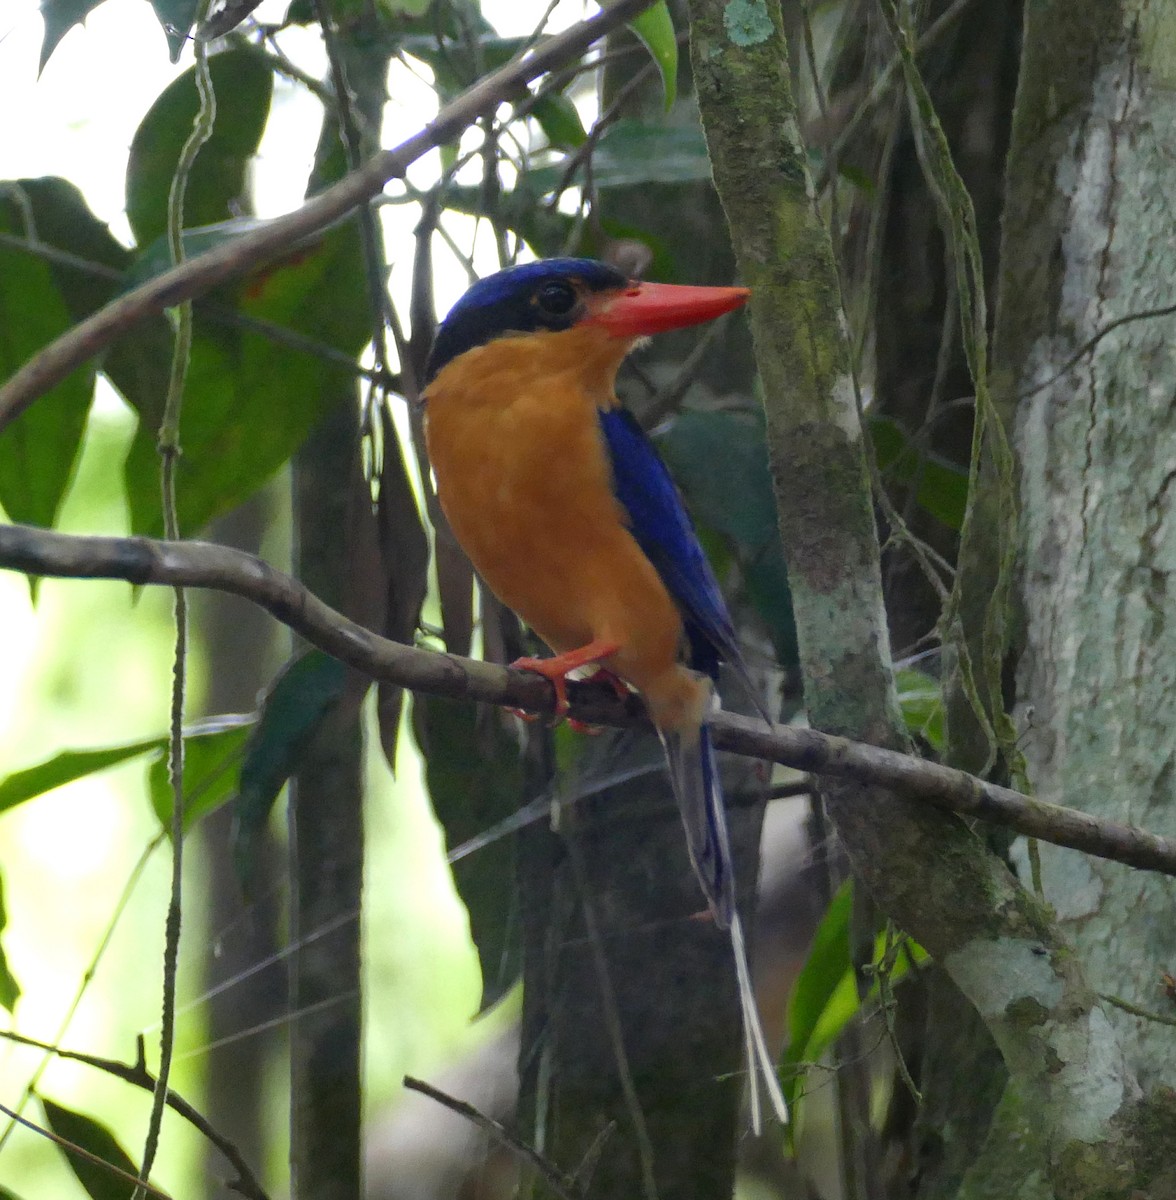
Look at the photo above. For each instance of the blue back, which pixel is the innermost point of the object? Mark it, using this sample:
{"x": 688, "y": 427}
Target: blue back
{"x": 659, "y": 522}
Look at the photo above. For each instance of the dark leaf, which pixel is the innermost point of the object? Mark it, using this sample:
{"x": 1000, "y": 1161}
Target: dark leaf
{"x": 226, "y": 18}
{"x": 474, "y": 777}
{"x": 943, "y": 486}
{"x": 250, "y": 402}
{"x": 90, "y": 1135}
{"x": 177, "y": 18}
{"x": 302, "y": 695}
{"x": 628, "y": 153}
{"x": 632, "y": 152}
{"x": 67, "y": 766}
{"x": 60, "y": 16}
{"x": 9, "y": 988}
{"x": 38, "y": 450}
{"x": 720, "y": 461}
{"x": 211, "y": 761}
{"x": 243, "y": 83}
{"x": 138, "y": 363}
{"x": 5, "y": 1194}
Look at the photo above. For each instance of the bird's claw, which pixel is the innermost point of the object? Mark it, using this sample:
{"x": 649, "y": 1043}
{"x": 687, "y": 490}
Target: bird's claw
{"x": 556, "y": 676}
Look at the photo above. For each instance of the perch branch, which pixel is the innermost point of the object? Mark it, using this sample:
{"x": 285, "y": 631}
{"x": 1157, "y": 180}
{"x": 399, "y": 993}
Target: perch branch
{"x": 143, "y": 561}
{"x": 198, "y": 275}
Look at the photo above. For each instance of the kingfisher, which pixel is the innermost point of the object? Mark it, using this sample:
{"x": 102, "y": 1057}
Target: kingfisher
{"x": 572, "y": 520}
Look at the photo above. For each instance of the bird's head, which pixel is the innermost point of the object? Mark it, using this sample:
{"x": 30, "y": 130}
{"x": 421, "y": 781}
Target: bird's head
{"x": 559, "y": 294}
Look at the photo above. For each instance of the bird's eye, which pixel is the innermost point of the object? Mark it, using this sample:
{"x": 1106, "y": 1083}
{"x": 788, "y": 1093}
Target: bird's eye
{"x": 556, "y": 298}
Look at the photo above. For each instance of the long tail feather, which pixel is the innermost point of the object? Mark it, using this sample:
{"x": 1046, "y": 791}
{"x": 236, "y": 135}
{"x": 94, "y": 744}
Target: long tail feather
{"x": 695, "y": 779}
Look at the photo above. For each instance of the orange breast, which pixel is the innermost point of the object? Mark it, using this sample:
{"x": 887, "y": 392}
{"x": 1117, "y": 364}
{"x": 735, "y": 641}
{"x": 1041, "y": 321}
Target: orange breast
{"x": 523, "y": 476}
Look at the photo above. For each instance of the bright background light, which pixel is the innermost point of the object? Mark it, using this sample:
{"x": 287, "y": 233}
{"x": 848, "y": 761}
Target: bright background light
{"x": 89, "y": 665}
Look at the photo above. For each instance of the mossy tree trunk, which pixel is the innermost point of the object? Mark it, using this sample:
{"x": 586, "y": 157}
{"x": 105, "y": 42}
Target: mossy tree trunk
{"x": 928, "y": 872}
{"x": 1087, "y": 243}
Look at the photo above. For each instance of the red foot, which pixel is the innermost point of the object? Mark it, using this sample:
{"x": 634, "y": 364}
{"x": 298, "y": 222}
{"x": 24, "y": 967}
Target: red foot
{"x": 555, "y": 670}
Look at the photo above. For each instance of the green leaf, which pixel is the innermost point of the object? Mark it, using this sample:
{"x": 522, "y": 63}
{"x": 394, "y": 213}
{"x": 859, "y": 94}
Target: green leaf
{"x": 211, "y": 757}
{"x": 243, "y": 83}
{"x": 60, "y": 16}
{"x": 632, "y": 152}
{"x": 655, "y": 28}
{"x": 5, "y": 1194}
{"x": 825, "y": 997}
{"x": 136, "y": 364}
{"x": 38, "y": 451}
{"x": 474, "y": 776}
{"x": 560, "y": 121}
{"x": 66, "y": 767}
{"x": 411, "y": 8}
{"x": 305, "y": 691}
{"x": 9, "y": 988}
{"x": 251, "y": 402}
{"x": 720, "y": 461}
{"x": 90, "y": 1135}
{"x": 943, "y": 486}
{"x": 921, "y": 700}
{"x": 177, "y": 18}
{"x": 826, "y": 965}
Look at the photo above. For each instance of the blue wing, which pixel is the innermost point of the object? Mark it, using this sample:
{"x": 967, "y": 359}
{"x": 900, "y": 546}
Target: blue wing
{"x": 659, "y": 522}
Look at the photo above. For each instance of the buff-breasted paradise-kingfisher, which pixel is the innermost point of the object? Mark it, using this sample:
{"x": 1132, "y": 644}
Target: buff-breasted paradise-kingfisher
{"x": 572, "y": 520}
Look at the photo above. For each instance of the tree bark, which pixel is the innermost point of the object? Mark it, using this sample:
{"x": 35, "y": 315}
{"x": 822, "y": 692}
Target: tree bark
{"x": 931, "y": 875}
{"x": 1087, "y": 242}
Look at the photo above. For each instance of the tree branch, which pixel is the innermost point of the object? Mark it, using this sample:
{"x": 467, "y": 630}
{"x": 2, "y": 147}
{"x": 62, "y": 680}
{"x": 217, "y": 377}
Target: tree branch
{"x": 198, "y": 275}
{"x": 143, "y": 561}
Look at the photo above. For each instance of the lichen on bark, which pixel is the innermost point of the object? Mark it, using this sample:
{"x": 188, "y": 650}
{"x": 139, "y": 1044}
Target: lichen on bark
{"x": 930, "y": 874}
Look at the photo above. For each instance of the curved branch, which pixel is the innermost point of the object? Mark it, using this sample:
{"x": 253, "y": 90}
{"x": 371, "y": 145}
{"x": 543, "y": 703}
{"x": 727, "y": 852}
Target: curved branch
{"x": 143, "y": 561}
{"x": 198, "y": 275}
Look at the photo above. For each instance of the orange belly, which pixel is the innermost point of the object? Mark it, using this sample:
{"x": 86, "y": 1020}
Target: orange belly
{"x": 523, "y": 477}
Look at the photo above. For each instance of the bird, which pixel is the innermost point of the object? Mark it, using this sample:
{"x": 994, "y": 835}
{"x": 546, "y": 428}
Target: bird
{"x": 571, "y": 519}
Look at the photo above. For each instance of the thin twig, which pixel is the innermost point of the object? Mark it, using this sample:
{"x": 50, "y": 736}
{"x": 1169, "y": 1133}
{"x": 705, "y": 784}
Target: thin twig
{"x": 145, "y": 561}
{"x": 1135, "y": 1010}
{"x": 246, "y": 1183}
{"x": 169, "y": 456}
{"x": 562, "y": 1185}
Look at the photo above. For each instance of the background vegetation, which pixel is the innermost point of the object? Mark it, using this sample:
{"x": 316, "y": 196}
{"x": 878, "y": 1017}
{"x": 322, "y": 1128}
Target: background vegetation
{"x": 974, "y": 515}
